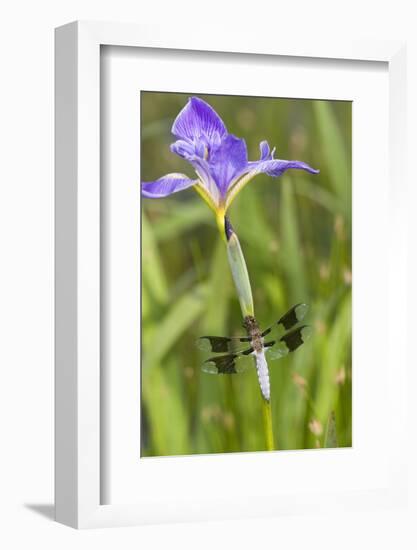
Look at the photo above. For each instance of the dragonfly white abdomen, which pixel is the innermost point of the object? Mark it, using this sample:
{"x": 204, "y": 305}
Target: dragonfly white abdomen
{"x": 263, "y": 373}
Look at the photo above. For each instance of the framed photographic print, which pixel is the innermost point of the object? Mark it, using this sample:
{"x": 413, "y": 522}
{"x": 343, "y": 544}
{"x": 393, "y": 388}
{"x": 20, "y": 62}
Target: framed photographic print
{"x": 228, "y": 275}
{"x": 274, "y": 231}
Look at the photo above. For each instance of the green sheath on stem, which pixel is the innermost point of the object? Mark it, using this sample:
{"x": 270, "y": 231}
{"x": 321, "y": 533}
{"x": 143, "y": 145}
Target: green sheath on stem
{"x": 240, "y": 274}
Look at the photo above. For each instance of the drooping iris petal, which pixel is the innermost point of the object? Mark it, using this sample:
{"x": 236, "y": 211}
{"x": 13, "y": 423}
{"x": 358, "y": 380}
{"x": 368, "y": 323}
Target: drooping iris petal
{"x": 273, "y": 167}
{"x": 198, "y": 119}
{"x": 227, "y": 161}
{"x": 277, "y": 167}
{"x": 162, "y": 187}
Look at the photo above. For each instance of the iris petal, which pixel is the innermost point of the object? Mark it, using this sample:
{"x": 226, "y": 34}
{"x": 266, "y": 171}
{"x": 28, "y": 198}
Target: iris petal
{"x": 183, "y": 148}
{"x": 162, "y": 187}
{"x": 188, "y": 151}
{"x": 198, "y": 119}
{"x": 205, "y": 175}
{"x": 276, "y": 167}
{"x": 264, "y": 150}
{"x": 228, "y": 160}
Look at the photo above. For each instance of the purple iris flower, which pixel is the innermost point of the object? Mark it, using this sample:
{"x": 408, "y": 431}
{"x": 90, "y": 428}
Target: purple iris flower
{"x": 219, "y": 159}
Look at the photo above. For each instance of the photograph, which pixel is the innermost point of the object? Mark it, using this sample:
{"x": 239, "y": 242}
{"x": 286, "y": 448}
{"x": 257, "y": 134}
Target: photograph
{"x": 246, "y": 273}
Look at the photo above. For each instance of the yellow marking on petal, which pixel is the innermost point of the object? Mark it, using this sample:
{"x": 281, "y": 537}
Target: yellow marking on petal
{"x": 219, "y": 211}
{"x": 237, "y": 187}
{"x": 205, "y": 196}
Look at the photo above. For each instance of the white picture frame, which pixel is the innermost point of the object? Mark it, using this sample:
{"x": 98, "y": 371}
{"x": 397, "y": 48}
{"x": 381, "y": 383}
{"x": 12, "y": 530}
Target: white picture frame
{"x": 78, "y": 404}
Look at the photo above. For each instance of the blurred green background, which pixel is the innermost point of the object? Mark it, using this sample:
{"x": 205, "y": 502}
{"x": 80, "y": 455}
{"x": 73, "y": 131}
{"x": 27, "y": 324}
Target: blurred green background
{"x": 295, "y": 233}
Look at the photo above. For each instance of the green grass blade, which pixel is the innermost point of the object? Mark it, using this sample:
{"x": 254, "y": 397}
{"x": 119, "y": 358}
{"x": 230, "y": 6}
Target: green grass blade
{"x": 335, "y": 152}
{"x": 180, "y": 317}
{"x": 330, "y": 438}
{"x": 182, "y": 217}
{"x": 166, "y": 412}
{"x": 153, "y": 277}
{"x": 291, "y": 252}
{"x": 336, "y": 353}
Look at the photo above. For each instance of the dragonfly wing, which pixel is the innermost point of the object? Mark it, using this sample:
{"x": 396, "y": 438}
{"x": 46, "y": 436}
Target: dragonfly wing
{"x": 288, "y": 343}
{"x": 277, "y": 352}
{"x": 293, "y": 316}
{"x": 221, "y": 344}
{"x": 232, "y": 363}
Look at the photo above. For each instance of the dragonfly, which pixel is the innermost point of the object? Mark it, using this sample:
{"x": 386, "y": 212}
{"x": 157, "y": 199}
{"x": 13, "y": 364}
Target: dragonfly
{"x": 237, "y": 354}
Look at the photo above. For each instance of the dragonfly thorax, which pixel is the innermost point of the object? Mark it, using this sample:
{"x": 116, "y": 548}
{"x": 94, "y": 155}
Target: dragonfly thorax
{"x": 254, "y": 333}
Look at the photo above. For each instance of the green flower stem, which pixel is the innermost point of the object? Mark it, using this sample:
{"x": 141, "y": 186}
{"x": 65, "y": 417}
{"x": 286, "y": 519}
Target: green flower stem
{"x": 269, "y": 434}
{"x": 244, "y": 291}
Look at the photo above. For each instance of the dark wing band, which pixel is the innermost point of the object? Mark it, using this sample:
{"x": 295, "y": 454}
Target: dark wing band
{"x": 220, "y": 344}
{"x": 290, "y": 319}
{"x": 288, "y": 343}
{"x": 232, "y": 363}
